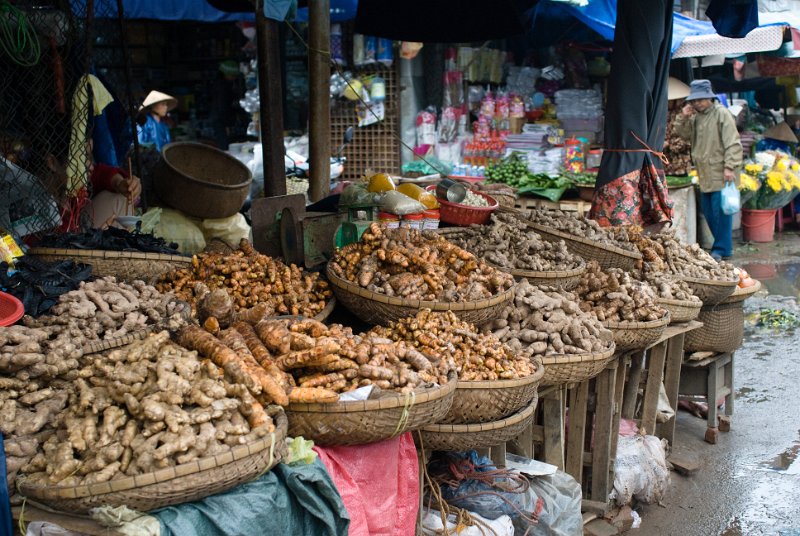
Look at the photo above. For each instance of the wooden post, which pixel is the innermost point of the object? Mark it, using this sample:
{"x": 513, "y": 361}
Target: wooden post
{"x": 602, "y": 457}
{"x": 652, "y": 390}
{"x": 672, "y": 380}
{"x": 319, "y": 75}
{"x": 578, "y": 400}
{"x": 271, "y": 102}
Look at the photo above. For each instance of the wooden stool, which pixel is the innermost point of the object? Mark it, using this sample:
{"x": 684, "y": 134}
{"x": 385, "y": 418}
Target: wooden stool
{"x": 712, "y": 378}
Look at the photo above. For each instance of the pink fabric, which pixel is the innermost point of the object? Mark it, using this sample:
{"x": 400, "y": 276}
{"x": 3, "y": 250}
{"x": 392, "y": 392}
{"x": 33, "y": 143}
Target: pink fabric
{"x": 379, "y": 485}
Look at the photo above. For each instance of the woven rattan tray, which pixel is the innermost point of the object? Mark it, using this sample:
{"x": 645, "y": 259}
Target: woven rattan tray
{"x": 637, "y": 335}
{"x": 606, "y": 256}
{"x": 375, "y": 308}
{"x": 710, "y": 291}
{"x": 458, "y": 437}
{"x": 741, "y": 294}
{"x": 575, "y": 368}
{"x": 565, "y": 279}
{"x": 367, "y": 421}
{"x": 173, "y": 485}
{"x": 124, "y": 265}
{"x": 488, "y": 401}
{"x": 680, "y": 310}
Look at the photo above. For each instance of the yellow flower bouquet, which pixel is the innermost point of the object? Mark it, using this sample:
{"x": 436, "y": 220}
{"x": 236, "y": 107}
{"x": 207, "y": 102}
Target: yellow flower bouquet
{"x": 772, "y": 187}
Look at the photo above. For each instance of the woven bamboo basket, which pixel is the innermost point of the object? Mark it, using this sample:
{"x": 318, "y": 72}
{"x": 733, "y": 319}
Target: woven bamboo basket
{"x": 710, "y": 291}
{"x": 606, "y": 256}
{"x": 375, "y": 308}
{"x": 575, "y": 368}
{"x": 367, "y": 421}
{"x": 637, "y": 335}
{"x": 565, "y": 279}
{"x": 680, "y": 310}
{"x": 124, "y": 265}
{"x": 741, "y": 294}
{"x": 722, "y": 329}
{"x": 458, "y": 437}
{"x": 488, "y": 401}
{"x": 172, "y": 485}
{"x": 95, "y": 347}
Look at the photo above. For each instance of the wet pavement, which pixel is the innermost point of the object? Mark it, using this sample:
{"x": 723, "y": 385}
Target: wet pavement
{"x": 749, "y": 482}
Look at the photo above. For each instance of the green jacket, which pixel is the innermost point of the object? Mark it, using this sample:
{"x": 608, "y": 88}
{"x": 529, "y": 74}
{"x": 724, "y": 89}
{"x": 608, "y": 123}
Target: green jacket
{"x": 715, "y": 145}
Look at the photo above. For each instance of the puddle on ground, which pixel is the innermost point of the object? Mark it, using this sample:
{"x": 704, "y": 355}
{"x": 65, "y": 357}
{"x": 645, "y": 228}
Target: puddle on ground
{"x": 786, "y": 462}
{"x": 779, "y": 279}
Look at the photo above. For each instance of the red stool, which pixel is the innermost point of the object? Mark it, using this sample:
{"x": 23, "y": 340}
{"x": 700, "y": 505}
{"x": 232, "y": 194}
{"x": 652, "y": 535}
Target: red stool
{"x": 781, "y": 218}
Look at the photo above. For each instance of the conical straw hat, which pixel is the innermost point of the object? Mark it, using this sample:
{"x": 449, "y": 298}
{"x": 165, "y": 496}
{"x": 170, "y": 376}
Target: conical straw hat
{"x": 154, "y": 97}
{"x": 676, "y": 89}
{"x": 781, "y": 132}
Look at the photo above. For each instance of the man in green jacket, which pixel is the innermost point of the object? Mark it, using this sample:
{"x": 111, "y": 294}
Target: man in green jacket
{"x": 717, "y": 156}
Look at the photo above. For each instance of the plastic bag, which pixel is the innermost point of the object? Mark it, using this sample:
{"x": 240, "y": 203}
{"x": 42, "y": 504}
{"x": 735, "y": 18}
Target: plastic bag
{"x": 174, "y": 226}
{"x": 481, "y": 497}
{"x": 356, "y": 195}
{"x": 231, "y": 230}
{"x": 396, "y": 203}
{"x": 640, "y": 469}
{"x": 560, "y": 509}
{"x": 731, "y": 200}
{"x": 432, "y": 525}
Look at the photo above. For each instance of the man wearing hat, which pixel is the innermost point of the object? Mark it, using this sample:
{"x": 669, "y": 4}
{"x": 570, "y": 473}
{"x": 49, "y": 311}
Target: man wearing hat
{"x": 154, "y": 132}
{"x": 717, "y": 155}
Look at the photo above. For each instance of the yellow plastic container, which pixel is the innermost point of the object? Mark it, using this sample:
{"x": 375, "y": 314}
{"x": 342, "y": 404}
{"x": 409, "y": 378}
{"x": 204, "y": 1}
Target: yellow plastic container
{"x": 416, "y": 192}
{"x": 380, "y": 182}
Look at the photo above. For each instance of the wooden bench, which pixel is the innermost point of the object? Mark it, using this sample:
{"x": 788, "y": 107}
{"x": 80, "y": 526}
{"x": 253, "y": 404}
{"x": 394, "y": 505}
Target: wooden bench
{"x": 711, "y": 377}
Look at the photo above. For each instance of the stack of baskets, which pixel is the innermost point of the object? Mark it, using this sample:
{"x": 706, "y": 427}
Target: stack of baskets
{"x": 575, "y": 368}
{"x": 629, "y": 336}
{"x": 485, "y": 413}
{"x": 681, "y": 311}
{"x": 590, "y": 250}
{"x": 723, "y": 324}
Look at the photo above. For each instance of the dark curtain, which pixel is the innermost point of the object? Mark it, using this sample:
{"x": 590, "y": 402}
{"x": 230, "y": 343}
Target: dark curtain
{"x": 733, "y": 18}
{"x": 631, "y": 188}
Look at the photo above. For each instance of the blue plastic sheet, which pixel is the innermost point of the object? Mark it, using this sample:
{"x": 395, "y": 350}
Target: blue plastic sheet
{"x": 5, "y": 505}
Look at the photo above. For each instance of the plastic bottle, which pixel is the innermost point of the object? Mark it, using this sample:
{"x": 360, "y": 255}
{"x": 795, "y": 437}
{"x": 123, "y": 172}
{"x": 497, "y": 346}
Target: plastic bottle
{"x": 416, "y": 192}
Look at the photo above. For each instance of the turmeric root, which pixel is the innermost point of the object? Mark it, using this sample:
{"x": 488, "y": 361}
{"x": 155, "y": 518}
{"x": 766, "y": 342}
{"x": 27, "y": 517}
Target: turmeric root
{"x": 312, "y": 395}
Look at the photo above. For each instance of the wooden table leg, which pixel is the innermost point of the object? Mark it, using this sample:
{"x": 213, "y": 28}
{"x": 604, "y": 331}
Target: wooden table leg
{"x": 622, "y": 369}
{"x": 632, "y": 387}
{"x": 603, "y": 422}
{"x": 655, "y": 375}
{"x": 553, "y": 418}
{"x": 578, "y": 400}
{"x": 672, "y": 381}
{"x": 729, "y": 378}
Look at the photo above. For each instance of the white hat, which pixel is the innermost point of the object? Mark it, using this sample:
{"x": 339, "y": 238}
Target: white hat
{"x": 154, "y": 97}
{"x": 676, "y": 89}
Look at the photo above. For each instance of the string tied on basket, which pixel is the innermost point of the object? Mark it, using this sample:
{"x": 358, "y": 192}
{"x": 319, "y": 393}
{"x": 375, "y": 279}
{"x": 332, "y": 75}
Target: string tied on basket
{"x": 646, "y": 149}
{"x": 404, "y": 416}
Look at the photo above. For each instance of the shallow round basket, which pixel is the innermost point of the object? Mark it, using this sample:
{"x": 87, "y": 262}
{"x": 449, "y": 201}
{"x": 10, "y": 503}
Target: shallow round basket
{"x": 488, "y": 401}
{"x": 459, "y": 437}
{"x": 11, "y": 309}
{"x": 741, "y": 294}
{"x": 367, "y": 421}
{"x": 565, "y": 279}
{"x": 606, "y": 256}
{"x": 680, "y": 310}
{"x": 465, "y": 215}
{"x": 722, "y": 329}
{"x": 575, "y": 368}
{"x": 637, "y": 335}
{"x": 95, "y": 347}
{"x": 375, "y": 308}
{"x": 710, "y": 291}
{"x": 124, "y": 265}
{"x": 173, "y": 485}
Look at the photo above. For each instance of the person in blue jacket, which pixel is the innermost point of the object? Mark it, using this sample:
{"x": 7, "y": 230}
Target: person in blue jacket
{"x": 154, "y": 131}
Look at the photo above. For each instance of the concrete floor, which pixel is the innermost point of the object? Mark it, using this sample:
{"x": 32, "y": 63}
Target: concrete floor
{"x": 749, "y": 482}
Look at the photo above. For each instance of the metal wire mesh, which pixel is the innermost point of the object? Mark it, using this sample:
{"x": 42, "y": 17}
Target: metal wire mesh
{"x": 45, "y": 124}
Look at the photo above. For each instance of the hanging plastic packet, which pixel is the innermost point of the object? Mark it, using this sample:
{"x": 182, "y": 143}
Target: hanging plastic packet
{"x": 487, "y": 105}
{"x": 517, "y": 106}
{"x": 358, "y": 50}
{"x": 385, "y": 54}
{"x": 337, "y": 44}
{"x": 426, "y": 127}
{"x": 378, "y": 89}
{"x": 370, "y": 50}
{"x": 9, "y": 250}
{"x": 409, "y": 49}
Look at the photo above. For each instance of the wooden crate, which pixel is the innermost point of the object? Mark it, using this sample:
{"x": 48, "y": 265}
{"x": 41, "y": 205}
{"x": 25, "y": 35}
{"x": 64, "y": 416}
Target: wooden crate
{"x": 566, "y": 205}
{"x": 375, "y": 146}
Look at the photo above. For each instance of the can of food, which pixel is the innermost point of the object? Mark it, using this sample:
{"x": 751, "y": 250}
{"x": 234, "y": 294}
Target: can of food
{"x": 413, "y": 221}
{"x": 450, "y": 190}
{"x": 389, "y": 220}
{"x": 431, "y": 220}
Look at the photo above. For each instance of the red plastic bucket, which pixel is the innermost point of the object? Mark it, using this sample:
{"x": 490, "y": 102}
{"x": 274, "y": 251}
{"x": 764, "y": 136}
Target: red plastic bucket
{"x": 758, "y": 225}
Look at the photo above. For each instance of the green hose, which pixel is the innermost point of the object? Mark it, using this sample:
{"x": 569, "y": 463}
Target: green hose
{"x": 17, "y": 36}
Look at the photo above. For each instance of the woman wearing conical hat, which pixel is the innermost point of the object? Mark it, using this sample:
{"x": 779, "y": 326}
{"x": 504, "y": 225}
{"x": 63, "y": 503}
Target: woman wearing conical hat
{"x": 154, "y": 131}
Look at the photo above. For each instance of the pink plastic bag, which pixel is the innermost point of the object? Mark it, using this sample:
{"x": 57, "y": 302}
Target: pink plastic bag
{"x": 379, "y": 485}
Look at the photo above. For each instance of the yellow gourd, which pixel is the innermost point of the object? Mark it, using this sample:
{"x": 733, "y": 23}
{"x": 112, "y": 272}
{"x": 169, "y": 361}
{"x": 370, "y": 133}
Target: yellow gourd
{"x": 420, "y": 194}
